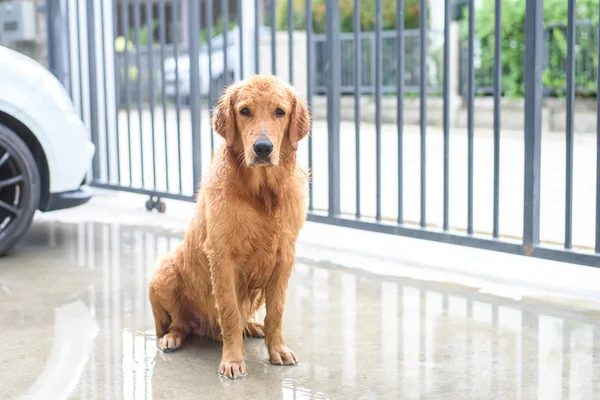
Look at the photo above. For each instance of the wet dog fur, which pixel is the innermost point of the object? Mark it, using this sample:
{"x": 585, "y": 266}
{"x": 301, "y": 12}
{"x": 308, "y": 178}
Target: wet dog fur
{"x": 239, "y": 249}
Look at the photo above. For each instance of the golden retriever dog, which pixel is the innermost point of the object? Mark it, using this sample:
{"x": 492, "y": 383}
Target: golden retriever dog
{"x": 239, "y": 249}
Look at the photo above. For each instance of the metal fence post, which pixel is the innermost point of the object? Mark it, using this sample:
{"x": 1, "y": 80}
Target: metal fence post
{"x": 423, "y": 84}
{"x": 598, "y": 144}
{"x": 357, "y": 93}
{"x": 570, "y": 123}
{"x": 248, "y": 28}
{"x": 497, "y": 113}
{"x": 310, "y": 46}
{"x": 58, "y": 41}
{"x": 400, "y": 82}
{"x": 91, "y": 37}
{"x": 273, "y": 14}
{"x": 534, "y": 25}
{"x": 195, "y": 105}
{"x": 333, "y": 103}
{"x": 470, "y": 115}
{"x": 378, "y": 112}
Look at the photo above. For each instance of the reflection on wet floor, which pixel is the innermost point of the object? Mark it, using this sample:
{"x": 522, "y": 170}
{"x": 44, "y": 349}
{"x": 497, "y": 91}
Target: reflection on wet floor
{"x": 76, "y": 324}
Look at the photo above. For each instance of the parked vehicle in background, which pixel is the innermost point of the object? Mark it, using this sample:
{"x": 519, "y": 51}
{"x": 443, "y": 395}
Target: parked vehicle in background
{"x": 218, "y": 75}
{"x": 45, "y": 153}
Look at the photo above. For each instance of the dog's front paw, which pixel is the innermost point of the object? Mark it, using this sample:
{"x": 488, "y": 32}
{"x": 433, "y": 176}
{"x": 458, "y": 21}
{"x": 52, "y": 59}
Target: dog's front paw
{"x": 232, "y": 369}
{"x": 281, "y": 355}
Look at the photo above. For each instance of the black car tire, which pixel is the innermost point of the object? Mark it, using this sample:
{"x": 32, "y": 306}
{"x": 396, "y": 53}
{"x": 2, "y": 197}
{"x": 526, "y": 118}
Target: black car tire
{"x": 20, "y": 188}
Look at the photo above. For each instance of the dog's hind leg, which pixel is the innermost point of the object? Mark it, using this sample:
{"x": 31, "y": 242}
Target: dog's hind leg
{"x": 171, "y": 334}
{"x": 167, "y": 307}
{"x": 162, "y": 319}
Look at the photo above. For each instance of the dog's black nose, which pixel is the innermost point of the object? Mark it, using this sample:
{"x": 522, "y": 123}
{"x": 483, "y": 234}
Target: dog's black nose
{"x": 263, "y": 148}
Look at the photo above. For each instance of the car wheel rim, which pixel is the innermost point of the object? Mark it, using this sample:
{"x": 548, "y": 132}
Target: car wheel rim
{"x": 12, "y": 184}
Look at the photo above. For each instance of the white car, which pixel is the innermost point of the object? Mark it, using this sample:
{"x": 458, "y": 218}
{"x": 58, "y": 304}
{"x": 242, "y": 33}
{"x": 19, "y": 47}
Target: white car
{"x": 217, "y": 70}
{"x": 45, "y": 153}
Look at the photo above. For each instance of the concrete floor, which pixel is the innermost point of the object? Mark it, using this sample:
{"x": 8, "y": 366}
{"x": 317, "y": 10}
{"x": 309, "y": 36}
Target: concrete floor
{"x": 76, "y": 323}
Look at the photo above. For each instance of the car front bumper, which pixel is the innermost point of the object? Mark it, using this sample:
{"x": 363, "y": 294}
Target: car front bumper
{"x": 74, "y": 198}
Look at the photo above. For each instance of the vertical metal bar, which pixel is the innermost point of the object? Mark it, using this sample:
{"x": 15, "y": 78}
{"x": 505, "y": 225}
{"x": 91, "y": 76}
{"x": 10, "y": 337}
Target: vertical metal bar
{"x": 400, "y": 104}
{"x": 125, "y": 27}
{"x": 195, "y": 101}
{"x": 58, "y": 32}
{"x": 117, "y": 90}
{"x": 333, "y": 103}
{"x": 309, "y": 89}
{"x": 162, "y": 36}
{"x": 225, "y": 24}
{"x": 212, "y": 92}
{"x": 357, "y": 93}
{"x": 423, "y": 105}
{"x": 79, "y": 59}
{"x": 176, "y": 27}
{"x": 68, "y": 47}
{"x": 150, "y": 59}
{"x": 497, "y": 111}
{"x": 570, "y": 111}
{"x": 91, "y": 36}
{"x": 446, "y": 217}
{"x": 470, "y": 116}
{"x": 257, "y": 36}
{"x": 51, "y": 11}
{"x": 241, "y": 37}
{"x": 534, "y": 25}
{"x": 105, "y": 90}
{"x": 273, "y": 37}
{"x": 138, "y": 62}
{"x": 598, "y": 142}
{"x": 291, "y": 39}
{"x": 378, "y": 84}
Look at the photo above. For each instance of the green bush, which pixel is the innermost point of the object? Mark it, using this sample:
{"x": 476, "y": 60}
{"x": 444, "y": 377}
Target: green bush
{"x": 367, "y": 15}
{"x": 145, "y": 33}
{"x": 513, "y": 44}
{"x": 216, "y": 30}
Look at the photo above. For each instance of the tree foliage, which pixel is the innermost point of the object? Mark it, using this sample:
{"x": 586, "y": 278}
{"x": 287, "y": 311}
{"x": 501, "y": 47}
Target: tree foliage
{"x": 367, "y": 15}
{"x": 513, "y": 44}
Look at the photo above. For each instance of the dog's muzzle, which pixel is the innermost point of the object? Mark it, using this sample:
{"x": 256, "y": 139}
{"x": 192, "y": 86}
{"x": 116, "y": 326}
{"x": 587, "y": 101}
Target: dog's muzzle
{"x": 262, "y": 150}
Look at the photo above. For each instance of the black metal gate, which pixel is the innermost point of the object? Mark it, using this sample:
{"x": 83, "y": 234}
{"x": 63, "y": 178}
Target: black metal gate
{"x": 147, "y": 105}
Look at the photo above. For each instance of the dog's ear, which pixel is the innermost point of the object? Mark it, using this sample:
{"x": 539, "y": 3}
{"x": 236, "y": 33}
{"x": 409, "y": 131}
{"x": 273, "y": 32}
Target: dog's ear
{"x": 299, "y": 121}
{"x": 224, "y": 116}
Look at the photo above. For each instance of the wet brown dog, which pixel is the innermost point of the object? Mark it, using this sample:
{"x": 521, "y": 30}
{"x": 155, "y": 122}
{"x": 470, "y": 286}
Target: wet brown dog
{"x": 239, "y": 249}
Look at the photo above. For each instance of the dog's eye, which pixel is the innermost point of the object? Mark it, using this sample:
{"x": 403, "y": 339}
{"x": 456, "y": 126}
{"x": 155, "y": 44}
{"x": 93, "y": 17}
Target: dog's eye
{"x": 279, "y": 113}
{"x": 245, "y": 112}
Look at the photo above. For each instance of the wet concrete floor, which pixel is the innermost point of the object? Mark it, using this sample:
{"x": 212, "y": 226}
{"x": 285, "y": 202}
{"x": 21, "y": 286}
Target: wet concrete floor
{"x": 76, "y": 324}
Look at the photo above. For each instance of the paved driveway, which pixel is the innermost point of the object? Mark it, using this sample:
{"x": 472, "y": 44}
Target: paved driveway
{"x": 77, "y": 324}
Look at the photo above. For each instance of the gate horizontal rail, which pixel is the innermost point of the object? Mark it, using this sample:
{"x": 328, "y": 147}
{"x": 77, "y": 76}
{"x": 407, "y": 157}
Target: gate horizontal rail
{"x": 148, "y": 107}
